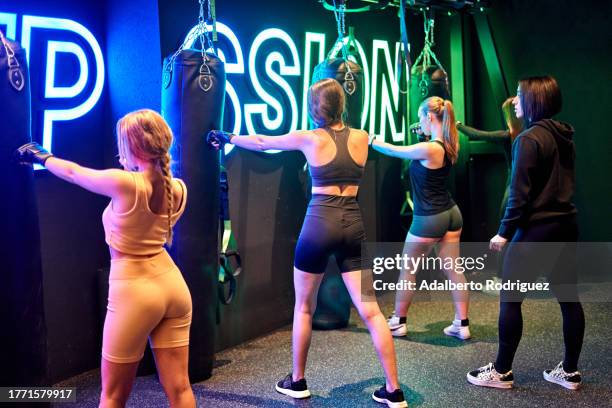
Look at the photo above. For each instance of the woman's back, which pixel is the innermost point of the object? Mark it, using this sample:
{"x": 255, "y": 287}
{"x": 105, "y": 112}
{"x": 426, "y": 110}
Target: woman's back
{"x": 430, "y": 194}
{"x": 545, "y": 153}
{"x": 142, "y": 228}
{"x": 336, "y": 158}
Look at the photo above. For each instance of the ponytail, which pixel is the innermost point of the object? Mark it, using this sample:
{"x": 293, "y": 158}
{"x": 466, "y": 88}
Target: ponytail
{"x": 449, "y": 131}
{"x": 443, "y": 111}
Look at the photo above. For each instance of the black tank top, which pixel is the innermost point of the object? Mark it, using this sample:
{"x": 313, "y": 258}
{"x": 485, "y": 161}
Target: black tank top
{"x": 429, "y": 193}
{"x": 342, "y": 169}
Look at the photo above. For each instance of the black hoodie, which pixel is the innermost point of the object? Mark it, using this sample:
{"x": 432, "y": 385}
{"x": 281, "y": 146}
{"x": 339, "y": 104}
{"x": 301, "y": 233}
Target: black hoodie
{"x": 542, "y": 179}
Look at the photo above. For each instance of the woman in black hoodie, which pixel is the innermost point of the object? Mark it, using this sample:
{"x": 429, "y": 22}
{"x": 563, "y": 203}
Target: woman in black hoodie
{"x": 539, "y": 209}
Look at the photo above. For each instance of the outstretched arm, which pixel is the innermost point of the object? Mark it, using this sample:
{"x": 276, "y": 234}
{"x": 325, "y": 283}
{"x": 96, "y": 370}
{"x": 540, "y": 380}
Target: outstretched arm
{"x": 495, "y": 136}
{"x": 417, "y": 151}
{"x": 296, "y": 140}
{"x": 109, "y": 182}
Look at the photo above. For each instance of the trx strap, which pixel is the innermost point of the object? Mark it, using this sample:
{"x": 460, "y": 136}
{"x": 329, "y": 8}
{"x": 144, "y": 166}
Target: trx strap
{"x": 205, "y": 80}
{"x": 405, "y": 54}
{"x": 404, "y": 63}
{"x": 427, "y": 54}
{"x": 230, "y": 263}
{"x": 15, "y": 75}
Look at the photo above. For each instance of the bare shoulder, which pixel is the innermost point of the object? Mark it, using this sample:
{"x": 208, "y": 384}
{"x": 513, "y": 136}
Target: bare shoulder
{"x": 122, "y": 179}
{"x": 359, "y": 137}
{"x": 434, "y": 150}
{"x": 178, "y": 185}
{"x": 359, "y": 133}
{"x": 179, "y": 190}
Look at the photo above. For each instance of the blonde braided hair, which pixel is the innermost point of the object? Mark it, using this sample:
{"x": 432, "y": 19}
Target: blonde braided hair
{"x": 164, "y": 166}
{"x": 144, "y": 134}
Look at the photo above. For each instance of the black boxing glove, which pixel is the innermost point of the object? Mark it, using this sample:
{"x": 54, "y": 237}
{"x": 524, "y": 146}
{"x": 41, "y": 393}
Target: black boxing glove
{"x": 32, "y": 153}
{"x": 218, "y": 138}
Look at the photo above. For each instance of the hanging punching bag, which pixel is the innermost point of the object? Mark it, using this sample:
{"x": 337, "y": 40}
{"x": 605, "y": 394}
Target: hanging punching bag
{"x": 351, "y": 80}
{"x": 426, "y": 81}
{"x": 22, "y": 338}
{"x": 193, "y": 93}
{"x": 333, "y": 301}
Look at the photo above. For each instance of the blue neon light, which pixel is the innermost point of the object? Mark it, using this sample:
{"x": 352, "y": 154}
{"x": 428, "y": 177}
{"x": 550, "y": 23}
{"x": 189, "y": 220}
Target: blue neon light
{"x": 10, "y": 20}
{"x": 51, "y": 91}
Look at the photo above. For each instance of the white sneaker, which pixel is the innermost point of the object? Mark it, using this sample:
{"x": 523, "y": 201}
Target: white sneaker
{"x": 487, "y": 376}
{"x": 397, "y": 329}
{"x": 457, "y": 330}
{"x": 571, "y": 381}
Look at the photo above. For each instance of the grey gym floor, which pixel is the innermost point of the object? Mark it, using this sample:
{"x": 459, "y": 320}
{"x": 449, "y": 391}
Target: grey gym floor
{"x": 343, "y": 370}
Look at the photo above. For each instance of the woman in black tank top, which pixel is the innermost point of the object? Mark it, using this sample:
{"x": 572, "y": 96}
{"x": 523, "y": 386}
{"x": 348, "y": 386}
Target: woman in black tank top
{"x": 336, "y": 156}
{"x": 436, "y": 217}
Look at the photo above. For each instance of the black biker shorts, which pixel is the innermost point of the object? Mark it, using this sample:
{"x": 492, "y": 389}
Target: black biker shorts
{"x": 332, "y": 226}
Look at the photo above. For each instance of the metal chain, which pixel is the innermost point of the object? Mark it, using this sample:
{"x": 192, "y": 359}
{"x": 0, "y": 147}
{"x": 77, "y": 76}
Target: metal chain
{"x": 427, "y": 54}
{"x": 15, "y": 75}
{"x": 339, "y": 14}
{"x": 201, "y": 32}
{"x": 9, "y": 51}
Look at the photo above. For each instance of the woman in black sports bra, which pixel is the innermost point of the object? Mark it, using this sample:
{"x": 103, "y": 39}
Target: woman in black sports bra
{"x": 336, "y": 156}
{"x": 436, "y": 217}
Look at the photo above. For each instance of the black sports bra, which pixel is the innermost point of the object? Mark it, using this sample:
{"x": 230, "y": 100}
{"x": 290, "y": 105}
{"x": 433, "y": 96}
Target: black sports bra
{"x": 342, "y": 169}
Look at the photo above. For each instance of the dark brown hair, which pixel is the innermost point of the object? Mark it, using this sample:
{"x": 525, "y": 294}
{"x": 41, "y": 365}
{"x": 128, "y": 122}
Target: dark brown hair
{"x": 540, "y": 98}
{"x": 326, "y": 102}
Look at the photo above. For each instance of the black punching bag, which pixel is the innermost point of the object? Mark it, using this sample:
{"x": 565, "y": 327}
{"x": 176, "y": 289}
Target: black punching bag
{"x": 333, "y": 301}
{"x": 426, "y": 81}
{"x": 352, "y": 82}
{"x": 193, "y": 95}
{"x": 23, "y": 334}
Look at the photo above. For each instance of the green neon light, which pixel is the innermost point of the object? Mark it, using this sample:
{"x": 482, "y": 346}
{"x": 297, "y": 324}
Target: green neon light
{"x": 284, "y": 69}
{"x": 389, "y": 103}
{"x": 310, "y": 38}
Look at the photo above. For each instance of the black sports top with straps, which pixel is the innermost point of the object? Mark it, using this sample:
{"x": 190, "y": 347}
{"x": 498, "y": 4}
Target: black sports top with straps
{"x": 342, "y": 169}
{"x": 429, "y": 193}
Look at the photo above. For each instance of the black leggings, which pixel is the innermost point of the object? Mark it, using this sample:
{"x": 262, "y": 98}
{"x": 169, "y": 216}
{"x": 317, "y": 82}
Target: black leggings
{"x": 510, "y": 316}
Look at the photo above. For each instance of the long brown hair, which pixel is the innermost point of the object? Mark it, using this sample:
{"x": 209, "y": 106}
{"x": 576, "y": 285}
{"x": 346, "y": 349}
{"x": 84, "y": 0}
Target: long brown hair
{"x": 326, "y": 102}
{"x": 145, "y": 135}
{"x": 444, "y": 112}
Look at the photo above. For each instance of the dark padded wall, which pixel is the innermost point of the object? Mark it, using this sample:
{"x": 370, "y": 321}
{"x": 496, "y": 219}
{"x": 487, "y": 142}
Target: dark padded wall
{"x": 267, "y": 202}
{"x": 569, "y": 40}
{"x": 23, "y": 349}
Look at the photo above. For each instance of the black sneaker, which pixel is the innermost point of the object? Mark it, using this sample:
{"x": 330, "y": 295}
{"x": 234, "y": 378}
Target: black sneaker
{"x": 393, "y": 399}
{"x": 487, "y": 376}
{"x": 297, "y": 389}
